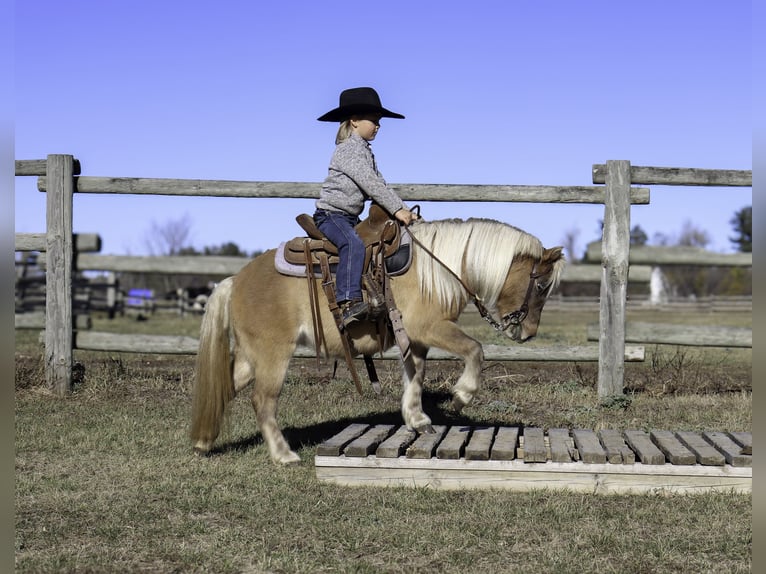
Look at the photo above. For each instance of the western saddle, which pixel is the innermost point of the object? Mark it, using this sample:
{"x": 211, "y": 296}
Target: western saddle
{"x": 386, "y": 254}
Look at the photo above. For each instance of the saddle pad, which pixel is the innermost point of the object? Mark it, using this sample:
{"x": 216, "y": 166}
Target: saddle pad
{"x": 284, "y": 267}
{"x": 396, "y": 264}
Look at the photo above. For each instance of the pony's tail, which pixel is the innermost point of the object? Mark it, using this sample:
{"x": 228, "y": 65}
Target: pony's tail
{"x": 214, "y": 385}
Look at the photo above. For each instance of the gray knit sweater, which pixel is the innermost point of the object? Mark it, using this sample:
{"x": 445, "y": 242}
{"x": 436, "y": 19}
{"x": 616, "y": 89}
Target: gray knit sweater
{"x": 354, "y": 177}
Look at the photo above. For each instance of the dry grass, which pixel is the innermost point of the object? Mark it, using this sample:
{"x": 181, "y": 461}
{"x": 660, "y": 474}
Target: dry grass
{"x": 106, "y": 480}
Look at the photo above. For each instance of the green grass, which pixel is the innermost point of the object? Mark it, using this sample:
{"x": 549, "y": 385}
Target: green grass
{"x": 106, "y": 480}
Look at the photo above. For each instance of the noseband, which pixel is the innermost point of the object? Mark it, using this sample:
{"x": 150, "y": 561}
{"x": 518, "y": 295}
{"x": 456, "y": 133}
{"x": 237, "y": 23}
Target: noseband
{"x": 514, "y": 318}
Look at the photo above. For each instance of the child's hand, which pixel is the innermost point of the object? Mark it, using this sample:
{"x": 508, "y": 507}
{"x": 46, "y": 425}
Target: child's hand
{"x": 406, "y": 216}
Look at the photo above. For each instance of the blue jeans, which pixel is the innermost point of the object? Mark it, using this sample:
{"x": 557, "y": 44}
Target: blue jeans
{"x": 339, "y": 228}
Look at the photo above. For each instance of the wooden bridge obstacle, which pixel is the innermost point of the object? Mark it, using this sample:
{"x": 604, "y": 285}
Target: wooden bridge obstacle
{"x": 601, "y": 462}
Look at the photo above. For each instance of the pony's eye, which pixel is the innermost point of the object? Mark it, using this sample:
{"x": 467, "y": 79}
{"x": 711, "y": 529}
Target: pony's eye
{"x": 542, "y": 287}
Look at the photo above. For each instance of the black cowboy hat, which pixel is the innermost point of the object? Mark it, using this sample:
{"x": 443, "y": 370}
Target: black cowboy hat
{"x": 358, "y": 101}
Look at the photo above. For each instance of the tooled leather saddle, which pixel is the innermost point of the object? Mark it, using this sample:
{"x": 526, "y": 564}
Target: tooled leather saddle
{"x": 381, "y": 235}
{"x": 388, "y": 252}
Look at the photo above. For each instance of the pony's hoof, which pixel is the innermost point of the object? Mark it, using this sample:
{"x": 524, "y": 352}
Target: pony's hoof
{"x": 290, "y": 459}
{"x": 202, "y": 449}
{"x": 457, "y": 404}
{"x": 426, "y": 429}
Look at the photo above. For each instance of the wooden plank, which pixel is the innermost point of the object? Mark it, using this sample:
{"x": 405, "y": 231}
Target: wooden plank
{"x": 334, "y": 445}
{"x": 591, "y": 273}
{"x": 706, "y": 454}
{"x": 731, "y": 450}
{"x": 642, "y": 445}
{"x": 506, "y": 440}
{"x": 30, "y": 320}
{"x": 534, "y": 445}
{"x": 743, "y": 439}
{"x": 425, "y": 444}
{"x": 407, "y": 191}
{"x": 617, "y": 452}
{"x": 518, "y": 476}
{"x": 396, "y": 444}
{"x": 369, "y": 441}
{"x": 648, "y": 175}
{"x": 561, "y": 445}
{"x": 614, "y": 280}
{"x": 692, "y": 335}
{"x": 452, "y": 445}
{"x": 675, "y": 452}
{"x": 578, "y": 353}
{"x": 165, "y": 344}
{"x": 170, "y": 264}
{"x": 679, "y": 255}
{"x": 588, "y": 446}
{"x": 30, "y": 242}
{"x": 480, "y": 444}
{"x": 39, "y": 167}
{"x": 182, "y": 345}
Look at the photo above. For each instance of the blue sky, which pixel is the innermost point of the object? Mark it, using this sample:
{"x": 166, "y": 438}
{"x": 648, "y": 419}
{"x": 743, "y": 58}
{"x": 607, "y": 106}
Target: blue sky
{"x": 494, "y": 92}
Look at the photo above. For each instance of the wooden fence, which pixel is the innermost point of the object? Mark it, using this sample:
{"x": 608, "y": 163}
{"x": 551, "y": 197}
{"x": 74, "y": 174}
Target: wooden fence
{"x": 58, "y": 175}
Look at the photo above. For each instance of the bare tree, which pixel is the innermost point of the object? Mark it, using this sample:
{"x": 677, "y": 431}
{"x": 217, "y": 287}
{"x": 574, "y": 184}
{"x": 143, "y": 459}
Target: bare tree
{"x": 170, "y": 237}
{"x": 693, "y": 236}
{"x": 569, "y": 241}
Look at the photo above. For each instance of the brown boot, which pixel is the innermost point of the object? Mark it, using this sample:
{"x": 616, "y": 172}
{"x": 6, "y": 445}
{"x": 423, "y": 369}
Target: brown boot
{"x": 353, "y": 311}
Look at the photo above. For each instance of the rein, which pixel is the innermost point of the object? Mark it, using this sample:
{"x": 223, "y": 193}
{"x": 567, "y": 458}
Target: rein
{"x": 512, "y": 319}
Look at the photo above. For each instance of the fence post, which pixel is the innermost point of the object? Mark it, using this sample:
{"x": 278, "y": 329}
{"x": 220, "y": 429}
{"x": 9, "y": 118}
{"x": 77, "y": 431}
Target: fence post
{"x": 614, "y": 279}
{"x": 58, "y": 289}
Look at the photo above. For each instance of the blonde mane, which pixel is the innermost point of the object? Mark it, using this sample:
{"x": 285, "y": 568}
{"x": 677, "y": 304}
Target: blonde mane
{"x": 479, "y": 251}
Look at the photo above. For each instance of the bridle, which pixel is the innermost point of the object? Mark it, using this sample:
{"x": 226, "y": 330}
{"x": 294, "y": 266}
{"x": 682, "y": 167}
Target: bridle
{"x": 512, "y": 319}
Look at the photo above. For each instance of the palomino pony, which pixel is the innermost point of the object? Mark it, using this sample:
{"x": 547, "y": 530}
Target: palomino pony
{"x": 255, "y": 320}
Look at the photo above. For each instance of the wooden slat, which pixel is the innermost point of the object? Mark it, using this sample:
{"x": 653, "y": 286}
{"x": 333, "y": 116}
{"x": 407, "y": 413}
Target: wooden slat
{"x": 743, "y": 439}
{"x": 424, "y": 445}
{"x": 334, "y": 445}
{"x": 617, "y": 452}
{"x": 561, "y": 445}
{"x": 407, "y": 191}
{"x": 731, "y": 451}
{"x": 396, "y": 444}
{"x": 670, "y": 334}
{"x": 534, "y": 445}
{"x": 648, "y": 175}
{"x": 660, "y": 255}
{"x": 506, "y": 440}
{"x": 588, "y": 446}
{"x": 480, "y": 444}
{"x": 369, "y": 441}
{"x": 591, "y": 273}
{"x": 642, "y": 445}
{"x": 167, "y": 344}
{"x": 675, "y": 452}
{"x": 40, "y": 167}
{"x": 706, "y": 454}
{"x": 517, "y": 476}
{"x": 452, "y": 446}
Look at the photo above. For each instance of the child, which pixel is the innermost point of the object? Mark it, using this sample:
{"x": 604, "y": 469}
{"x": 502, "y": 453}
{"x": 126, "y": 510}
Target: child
{"x": 352, "y": 178}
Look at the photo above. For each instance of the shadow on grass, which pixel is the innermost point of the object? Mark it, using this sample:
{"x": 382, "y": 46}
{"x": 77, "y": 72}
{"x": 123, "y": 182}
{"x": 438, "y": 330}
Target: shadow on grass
{"x": 435, "y": 403}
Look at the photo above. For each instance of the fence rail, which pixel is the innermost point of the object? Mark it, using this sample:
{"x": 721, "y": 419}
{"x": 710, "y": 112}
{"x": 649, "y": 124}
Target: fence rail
{"x": 681, "y": 176}
{"x": 59, "y": 177}
{"x": 302, "y": 190}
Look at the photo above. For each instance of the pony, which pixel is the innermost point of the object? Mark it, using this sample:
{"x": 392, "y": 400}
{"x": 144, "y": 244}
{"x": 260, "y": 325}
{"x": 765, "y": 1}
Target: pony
{"x": 255, "y": 320}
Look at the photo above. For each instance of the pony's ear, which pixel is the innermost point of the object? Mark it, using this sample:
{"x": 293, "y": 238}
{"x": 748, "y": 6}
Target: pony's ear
{"x": 553, "y": 254}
